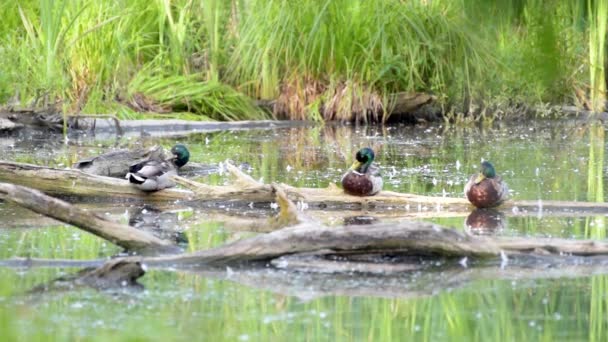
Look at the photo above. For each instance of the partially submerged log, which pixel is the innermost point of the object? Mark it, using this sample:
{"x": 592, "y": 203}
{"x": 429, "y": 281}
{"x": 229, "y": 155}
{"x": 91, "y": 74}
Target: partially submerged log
{"x": 403, "y": 238}
{"x": 114, "y": 273}
{"x": 119, "y": 234}
{"x": 7, "y": 125}
{"x": 77, "y": 183}
{"x": 245, "y": 190}
{"x": 310, "y": 284}
{"x": 387, "y": 249}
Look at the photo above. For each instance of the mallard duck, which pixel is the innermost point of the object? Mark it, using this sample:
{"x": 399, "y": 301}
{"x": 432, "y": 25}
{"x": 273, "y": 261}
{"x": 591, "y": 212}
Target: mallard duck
{"x": 117, "y": 163}
{"x": 486, "y": 189}
{"x": 155, "y": 174}
{"x": 363, "y": 178}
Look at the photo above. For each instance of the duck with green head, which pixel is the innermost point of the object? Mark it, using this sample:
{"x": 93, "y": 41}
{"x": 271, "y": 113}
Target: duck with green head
{"x": 363, "y": 178}
{"x": 155, "y": 174}
{"x": 486, "y": 189}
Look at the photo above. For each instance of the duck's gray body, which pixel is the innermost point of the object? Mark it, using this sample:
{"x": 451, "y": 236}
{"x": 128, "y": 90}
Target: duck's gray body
{"x": 152, "y": 175}
{"x": 117, "y": 163}
{"x": 156, "y": 174}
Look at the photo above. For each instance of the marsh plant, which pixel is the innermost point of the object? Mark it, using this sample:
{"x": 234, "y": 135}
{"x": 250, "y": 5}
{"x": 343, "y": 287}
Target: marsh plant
{"x": 319, "y": 60}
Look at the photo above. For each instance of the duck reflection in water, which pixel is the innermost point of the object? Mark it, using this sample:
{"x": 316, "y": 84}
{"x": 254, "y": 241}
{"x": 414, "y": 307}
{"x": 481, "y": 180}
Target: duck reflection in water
{"x": 162, "y": 224}
{"x": 485, "y": 221}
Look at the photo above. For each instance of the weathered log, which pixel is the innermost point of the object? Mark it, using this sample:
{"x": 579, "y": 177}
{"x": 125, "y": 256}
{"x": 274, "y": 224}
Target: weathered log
{"x": 8, "y": 125}
{"x": 405, "y": 238}
{"x": 245, "y": 190}
{"x": 122, "y": 235}
{"x": 308, "y": 285}
{"x": 112, "y": 274}
{"x": 378, "y": 280}
{"x": 75, "y": 182}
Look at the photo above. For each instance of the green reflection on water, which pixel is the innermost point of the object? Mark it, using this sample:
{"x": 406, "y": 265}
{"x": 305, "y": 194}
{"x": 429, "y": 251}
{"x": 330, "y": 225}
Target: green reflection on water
{"x": 185, "y": 307}
{"x": 541, "y": 161}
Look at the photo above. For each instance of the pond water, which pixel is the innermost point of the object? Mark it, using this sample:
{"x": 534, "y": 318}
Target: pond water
{"x": 540, "y": 160}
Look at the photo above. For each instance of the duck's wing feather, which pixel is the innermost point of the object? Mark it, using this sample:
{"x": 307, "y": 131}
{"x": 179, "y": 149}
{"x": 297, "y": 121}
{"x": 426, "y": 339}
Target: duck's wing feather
{"x": 501, "y": 188}
{"x": 374, "y": 171}
{"x": 150, "y": 168}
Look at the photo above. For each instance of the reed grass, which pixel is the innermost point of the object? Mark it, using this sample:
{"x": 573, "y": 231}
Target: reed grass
{"x": 320, "y": 60}
{"x": 598, "y": 29}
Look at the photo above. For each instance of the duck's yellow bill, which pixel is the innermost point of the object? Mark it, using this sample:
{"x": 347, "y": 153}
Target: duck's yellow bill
{"x": 355, "y": 165}
{"x": 479, "y": 178}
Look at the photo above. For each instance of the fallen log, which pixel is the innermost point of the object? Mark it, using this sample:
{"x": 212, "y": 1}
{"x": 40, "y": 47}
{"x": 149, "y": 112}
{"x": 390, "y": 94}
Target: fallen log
{"x": 308, "y": 285}
{"x": 399, "y": 251}
{"x": 245, "y": 190}
{"x": 114, "y": 273}
{"x": 119, "y": 234}
{"x": 385, "y": 280}
{"x": 71, "y": 182}
{"x": 402, "y": 238}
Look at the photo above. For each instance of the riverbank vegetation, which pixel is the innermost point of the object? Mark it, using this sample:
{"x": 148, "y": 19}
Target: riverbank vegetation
{"x": 319, "y": 60}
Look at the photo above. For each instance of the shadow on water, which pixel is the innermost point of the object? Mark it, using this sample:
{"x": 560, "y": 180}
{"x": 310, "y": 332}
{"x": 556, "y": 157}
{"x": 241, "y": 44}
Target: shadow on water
{"x": 540, "y": 160}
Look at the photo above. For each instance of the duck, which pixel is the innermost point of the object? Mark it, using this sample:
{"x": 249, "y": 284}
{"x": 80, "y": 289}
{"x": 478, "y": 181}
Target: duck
{"x": 155, "y": 174}
{"x": 117, "y": 163}
{"x": 486, "y": 189}
{"x": 363, "y": 178}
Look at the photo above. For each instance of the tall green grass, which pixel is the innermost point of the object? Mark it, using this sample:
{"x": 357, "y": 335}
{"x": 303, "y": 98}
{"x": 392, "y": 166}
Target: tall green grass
{"x": 323, "y": 60}
{"x": 598, "y": 29}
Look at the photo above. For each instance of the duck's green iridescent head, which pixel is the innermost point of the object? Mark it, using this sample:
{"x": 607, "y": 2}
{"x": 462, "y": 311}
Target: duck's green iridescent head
{"x": 181, "y": 153}
{"x": 487, "y": 171}
{"x": 364, "y": 159}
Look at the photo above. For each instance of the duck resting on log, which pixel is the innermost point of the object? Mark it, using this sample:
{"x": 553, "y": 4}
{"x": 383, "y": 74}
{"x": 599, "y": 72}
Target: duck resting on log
{"x": 156, "y": 174}
{"x": 486, "y": 189}
{"x": 363, "y": 178}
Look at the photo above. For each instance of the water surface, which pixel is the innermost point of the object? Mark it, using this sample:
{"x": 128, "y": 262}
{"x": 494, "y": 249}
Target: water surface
{"x": 540, "y": 160}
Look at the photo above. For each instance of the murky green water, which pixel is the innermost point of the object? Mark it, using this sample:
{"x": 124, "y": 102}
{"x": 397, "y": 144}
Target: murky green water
{"x": 540, "y": 160}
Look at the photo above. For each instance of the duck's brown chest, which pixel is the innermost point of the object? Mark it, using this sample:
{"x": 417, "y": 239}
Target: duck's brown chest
{"x": 484, "y": 194}
{"x": 357, "y": 184}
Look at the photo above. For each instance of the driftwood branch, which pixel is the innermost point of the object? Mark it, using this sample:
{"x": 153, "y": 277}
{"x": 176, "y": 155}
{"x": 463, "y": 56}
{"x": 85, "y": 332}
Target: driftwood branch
{"x": 122, "y": 235}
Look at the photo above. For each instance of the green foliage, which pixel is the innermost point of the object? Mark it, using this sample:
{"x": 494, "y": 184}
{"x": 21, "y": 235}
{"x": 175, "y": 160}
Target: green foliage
{"x": 598, "y": 30}
{"x": 189, "y": 93}
{"x": 321, "y": 59}
{"x": 388, "y": 45}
